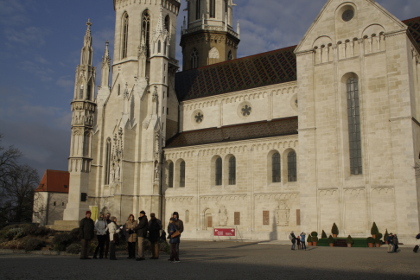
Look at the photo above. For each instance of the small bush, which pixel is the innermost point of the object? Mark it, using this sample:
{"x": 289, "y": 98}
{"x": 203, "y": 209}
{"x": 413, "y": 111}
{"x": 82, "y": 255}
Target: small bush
{"x": 334, "y": 229}
{"x": 74, "y": 248}
{"x": 386, "y": 235}
{"x": 330, "y": 239}
{"x": 314, "y": 233}
{"x": 349, "y": 240}
{"x": 15, "y": 233}
{"x": 370, "y": 240}
{"x": 61, "y": 241}
{"x": 75, "y": 234}
{"x": 374, "y": 229}
{"x": 29, "y": 229}
{"x": 309, "y": 239}
{"x": 12, "y": 244}
{"x": 164, "y": 247}
{"x": 323, "y": 234}
{"x": 43, "y": 231}
{"x": 32, "y": 244}
{"x": 314, "y": 239}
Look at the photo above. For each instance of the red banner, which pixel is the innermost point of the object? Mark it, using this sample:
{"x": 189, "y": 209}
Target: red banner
{"x": 224, "y": 232}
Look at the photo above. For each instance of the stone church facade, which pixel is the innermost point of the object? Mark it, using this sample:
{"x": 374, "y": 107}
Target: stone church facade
{"x": 293, "y": 139}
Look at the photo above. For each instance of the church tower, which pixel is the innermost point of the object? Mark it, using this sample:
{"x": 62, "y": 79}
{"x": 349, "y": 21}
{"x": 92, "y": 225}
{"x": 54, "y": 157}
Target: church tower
{"x": 207, "y": 34}
{"x": 83, "y": 108}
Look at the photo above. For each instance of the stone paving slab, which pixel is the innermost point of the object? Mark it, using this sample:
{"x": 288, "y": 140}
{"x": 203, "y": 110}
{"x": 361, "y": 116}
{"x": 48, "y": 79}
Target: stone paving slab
{"x": 224, "y": 260}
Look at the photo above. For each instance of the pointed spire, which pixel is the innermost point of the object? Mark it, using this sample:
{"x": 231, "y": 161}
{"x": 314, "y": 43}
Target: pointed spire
{"x": 106, "y": 67}
{"x": 87, "y": 51}
{"x": 106, "y": 59}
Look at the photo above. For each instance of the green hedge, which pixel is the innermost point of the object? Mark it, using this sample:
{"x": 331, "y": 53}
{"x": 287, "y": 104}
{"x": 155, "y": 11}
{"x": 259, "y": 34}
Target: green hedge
{"x": 358, "y": 242}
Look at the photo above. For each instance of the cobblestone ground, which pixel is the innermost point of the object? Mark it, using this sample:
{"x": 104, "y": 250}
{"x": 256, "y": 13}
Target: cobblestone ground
{"x": 224, "y": 260}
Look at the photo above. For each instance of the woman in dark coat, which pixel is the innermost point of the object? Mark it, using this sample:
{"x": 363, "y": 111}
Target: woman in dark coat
{"x": 173, "y": 241}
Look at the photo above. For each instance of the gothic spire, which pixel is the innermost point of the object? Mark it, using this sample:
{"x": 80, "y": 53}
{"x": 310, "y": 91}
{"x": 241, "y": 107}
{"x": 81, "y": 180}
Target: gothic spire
{"x": 87, "y": 51}
{"x": 106, "y": 66}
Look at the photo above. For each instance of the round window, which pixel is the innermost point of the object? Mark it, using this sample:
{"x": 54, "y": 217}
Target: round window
{"x": 348, "y": 14}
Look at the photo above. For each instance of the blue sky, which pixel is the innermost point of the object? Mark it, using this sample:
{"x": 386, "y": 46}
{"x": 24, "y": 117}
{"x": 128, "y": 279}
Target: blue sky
{"x": 40, "y": 49}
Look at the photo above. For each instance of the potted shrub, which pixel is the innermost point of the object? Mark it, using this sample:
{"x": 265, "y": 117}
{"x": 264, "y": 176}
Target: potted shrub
{"x": 314, "y": 238}
{"x": 334, "y": 230}
{"x": 378, "y": 241}
{"x": 323, "y": 234}
{"x": 370, "y": 241}
{"x": 349, "y": 241}
{"x": 386, "y": 236}
{"x": 374, "y": 230}
{"x": 331, "y": 241}
{"x": 309, "y": 240}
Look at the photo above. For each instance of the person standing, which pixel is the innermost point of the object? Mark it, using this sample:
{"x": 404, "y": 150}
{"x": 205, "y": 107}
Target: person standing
{"x": 395, "y": 241}
{"x": 131, "y": 236}
{"x": 86, "y": 233}
{"x": 101, "y": 227}
{"x": 108, "y": 221}
{"x": 390, "y": 240}
{"x": 292, "y": 238}
{"x": 141, "y": 230}
{"x": 180, "y": 225}
{"x": 174, "y": 240}
{"x": 113, "y": 230}
{"x": 302, "y": 240}
{"x": 155, "y": 225}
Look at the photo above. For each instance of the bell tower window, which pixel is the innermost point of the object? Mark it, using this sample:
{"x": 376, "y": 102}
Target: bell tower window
{"x": 194, "y": 58}
{"x": 146, "y": 31}
{"x": 212, "y": 8}
{"x": 124, "y": 36}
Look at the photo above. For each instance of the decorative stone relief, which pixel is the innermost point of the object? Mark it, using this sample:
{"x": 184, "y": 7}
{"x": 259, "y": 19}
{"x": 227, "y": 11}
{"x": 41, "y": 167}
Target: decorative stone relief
{"x": 223, "y": 217}
{"x": 116, "y": 157}
{"x": 282, "y": 213}
{"x": 245, "y": 109}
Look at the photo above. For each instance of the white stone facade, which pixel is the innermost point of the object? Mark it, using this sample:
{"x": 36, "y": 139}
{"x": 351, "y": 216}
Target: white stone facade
{"x": 139, "y": 112}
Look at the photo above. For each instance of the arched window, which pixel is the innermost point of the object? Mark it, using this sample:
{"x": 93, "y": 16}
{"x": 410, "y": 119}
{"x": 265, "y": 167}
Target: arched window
{"x": 165, "y": 47}
{"x": 212, "y": 8}
{"x": 226, "y": 6}
{"x": 198, "y": 9}
{"x": 232, "y": 170}
{"x": 182, "y": 174}
{"x": 194, "y": 58}
{"x": 89, "y": 89}
{"x": 353, "y": 110}
{"x": 159, "y": 47}
{"x": 171, "y": 175}
{"x": 291, "y": 167}
{"x": 218, "y": 172}
{"x": 124, "y": 42}
{"x": 107, "y": 160}
{"x": 145, "y": 32}
{"x": 275, "y": 168}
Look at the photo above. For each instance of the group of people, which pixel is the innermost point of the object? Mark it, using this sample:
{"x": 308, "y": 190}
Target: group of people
{"x": 392, "y": 240}
{"x": 134, "y": 230}
{"x": 298, "y": 240}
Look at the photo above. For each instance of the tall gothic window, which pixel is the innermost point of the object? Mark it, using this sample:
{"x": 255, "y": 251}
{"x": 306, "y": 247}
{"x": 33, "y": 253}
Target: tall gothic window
{"x": 212, "y": 8}
{"x": 275, "y": 168}
{"x": 182, "y": 174}
{"x": 218, "y": 172}
{"x": 107, "y": 160}
{"x": 230, "y": 56}
{"x": 353, "y": 111}
{"x": 124, "y": 44}
{"x": 198, "y": 9}
{"x": 194, "y": 58}
{"x": 232, "y": 170}
{"x": 171, "y": 175}
{"x": 226, "y": 6}
{"x": 291, "y": 167}
{"x": 89, "y": 89}
{"x": 159, "y": 47}
{"x": 145, "y": 32}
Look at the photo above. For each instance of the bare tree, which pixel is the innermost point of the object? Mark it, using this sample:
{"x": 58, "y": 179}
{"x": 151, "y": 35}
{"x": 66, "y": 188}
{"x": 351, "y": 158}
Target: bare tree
{"x": 17, "y": 184}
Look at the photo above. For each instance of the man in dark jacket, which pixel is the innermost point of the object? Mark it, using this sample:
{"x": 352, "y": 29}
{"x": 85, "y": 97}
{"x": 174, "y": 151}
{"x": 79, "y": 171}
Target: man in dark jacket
{"x": 155, "y": 225}
{"x": 141, "y": 230}
{"x": 180, "y": 226}
{"x": 86, "y": 233}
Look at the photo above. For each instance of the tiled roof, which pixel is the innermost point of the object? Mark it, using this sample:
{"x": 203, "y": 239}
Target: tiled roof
{"x": 414, "y": 28}
{"x": 263, "y": 69}
{"x": 54, "y": 181}
{"x": 279, "y": 127}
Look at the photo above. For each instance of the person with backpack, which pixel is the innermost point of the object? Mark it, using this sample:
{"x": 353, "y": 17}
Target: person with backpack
{"x": 155, "y": 225}
{"x": 292, "y": 238}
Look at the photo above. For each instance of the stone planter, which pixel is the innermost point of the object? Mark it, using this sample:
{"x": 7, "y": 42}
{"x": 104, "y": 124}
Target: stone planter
{"x": 309, "y": 243}
{"x": 314, "y": 243}
{"x": 377, "y": 244}
{"x": 370, "y": 245}
{"x": 331, "y": 244}
{"x": 334, "y": 235}
{"x": 348, "y": 245}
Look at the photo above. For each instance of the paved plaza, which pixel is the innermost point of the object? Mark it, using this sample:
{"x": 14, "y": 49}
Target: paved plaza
{"x": 224, "y": 260}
